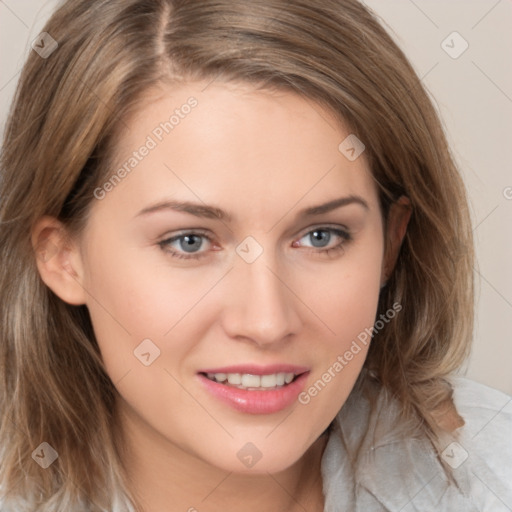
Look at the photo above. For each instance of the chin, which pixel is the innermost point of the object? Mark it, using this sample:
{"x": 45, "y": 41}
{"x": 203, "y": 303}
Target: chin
{"x": 258, "y": 457}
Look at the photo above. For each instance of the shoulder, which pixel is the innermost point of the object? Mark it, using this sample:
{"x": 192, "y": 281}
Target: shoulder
{"x": 484, "y": 443}
{"x": 475, "y": 399}
{"x": 487, "y": 432}
{"x": 369, "y": 464}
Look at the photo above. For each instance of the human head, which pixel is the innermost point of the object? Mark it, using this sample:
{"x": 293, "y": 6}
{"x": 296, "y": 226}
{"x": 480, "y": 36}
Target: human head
{"x": 53, "y": 167}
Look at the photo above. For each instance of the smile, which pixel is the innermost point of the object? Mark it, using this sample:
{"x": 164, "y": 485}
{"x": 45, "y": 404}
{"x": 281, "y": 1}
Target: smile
{"x": 255, "y": 389}
{"x": 253, "y": 382}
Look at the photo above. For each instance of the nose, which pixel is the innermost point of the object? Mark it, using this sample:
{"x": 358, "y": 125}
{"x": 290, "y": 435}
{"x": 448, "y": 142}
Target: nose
{"x": 261, "y": 306}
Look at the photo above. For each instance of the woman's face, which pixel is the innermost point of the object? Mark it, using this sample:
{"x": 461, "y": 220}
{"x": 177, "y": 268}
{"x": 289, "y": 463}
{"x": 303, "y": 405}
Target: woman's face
{"x": 281, "y": 282}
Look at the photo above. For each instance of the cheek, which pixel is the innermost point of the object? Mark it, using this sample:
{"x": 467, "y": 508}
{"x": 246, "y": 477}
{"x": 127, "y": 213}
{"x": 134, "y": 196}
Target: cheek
{"x": 345, "y": 295}
{"x": 137, "y": 295}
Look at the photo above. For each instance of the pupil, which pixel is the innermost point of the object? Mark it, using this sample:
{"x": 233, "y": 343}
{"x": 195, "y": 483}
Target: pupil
{"x": 321, "y": 236}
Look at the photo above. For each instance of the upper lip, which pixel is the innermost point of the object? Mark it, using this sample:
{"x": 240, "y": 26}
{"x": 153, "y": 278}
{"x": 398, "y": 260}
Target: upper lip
{"x": 254, "y": 369}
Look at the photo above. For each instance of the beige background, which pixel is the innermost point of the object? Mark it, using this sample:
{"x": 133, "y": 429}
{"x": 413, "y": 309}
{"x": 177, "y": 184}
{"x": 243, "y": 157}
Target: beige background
{"x": 474, "y": 97}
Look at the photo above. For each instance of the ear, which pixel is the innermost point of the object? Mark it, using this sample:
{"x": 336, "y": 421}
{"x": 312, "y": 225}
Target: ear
{"x": 398, "y": 218}
{"x": 58, "y": 260}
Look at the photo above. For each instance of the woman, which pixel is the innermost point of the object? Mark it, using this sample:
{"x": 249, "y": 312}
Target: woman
{"x": 237, "y": 270}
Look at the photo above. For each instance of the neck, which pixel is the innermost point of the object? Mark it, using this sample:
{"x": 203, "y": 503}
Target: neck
{"x": 161, "y": 475}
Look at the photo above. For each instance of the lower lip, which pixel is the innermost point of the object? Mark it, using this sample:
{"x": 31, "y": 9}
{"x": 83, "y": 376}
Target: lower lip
{"x": 256, "y": 402}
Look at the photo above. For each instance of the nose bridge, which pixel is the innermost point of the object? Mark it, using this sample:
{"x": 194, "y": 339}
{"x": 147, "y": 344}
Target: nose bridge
{"x": 261, "y": 307}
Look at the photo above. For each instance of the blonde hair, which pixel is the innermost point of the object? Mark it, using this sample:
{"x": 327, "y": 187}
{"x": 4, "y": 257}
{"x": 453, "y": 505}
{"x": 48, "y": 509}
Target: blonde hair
{"x": 59, "y": 142}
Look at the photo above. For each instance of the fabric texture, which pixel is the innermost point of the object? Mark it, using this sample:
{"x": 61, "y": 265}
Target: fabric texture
{"x": 394, "y": 473}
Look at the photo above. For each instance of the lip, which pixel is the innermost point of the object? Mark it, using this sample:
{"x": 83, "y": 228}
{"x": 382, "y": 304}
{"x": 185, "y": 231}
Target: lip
{"x": 256, "y": 402}
{"x": 254, "y": 369}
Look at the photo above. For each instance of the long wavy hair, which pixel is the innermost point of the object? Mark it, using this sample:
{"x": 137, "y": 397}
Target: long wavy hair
{"x": 59, "y": 141}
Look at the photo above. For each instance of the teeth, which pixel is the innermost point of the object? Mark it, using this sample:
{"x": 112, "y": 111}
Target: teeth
{"x": 246, "y": 380}
{"x": 251, "y": 381}
{"x": 235, "y": 379}
{"x": 268, "y": 381}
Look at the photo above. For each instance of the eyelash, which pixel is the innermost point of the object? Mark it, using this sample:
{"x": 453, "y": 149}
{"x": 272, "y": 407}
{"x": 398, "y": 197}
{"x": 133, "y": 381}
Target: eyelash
{"x": 344, "y": 235}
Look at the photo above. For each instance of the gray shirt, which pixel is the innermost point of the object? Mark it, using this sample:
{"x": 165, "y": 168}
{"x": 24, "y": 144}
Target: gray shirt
{"x": 394, "y": 473}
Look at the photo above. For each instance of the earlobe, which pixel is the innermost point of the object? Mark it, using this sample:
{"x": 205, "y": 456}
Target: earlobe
{"x": 398, "y": 219}
{"x": 58, "y": 260}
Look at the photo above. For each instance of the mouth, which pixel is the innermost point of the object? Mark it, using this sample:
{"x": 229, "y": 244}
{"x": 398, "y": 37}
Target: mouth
{"x": 255, "y": 389}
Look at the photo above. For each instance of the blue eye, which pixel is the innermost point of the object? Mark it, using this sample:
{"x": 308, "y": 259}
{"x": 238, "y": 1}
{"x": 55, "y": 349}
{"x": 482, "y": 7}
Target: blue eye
{"x": 321, "y": 238}
{"x": 188, "y": 245}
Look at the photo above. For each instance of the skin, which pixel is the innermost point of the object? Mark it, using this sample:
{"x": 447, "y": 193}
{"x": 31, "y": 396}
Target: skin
{"x": 263, "y": 157}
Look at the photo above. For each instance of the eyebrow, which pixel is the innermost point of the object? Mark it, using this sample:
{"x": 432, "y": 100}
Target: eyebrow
{"x": 212, "y": 212}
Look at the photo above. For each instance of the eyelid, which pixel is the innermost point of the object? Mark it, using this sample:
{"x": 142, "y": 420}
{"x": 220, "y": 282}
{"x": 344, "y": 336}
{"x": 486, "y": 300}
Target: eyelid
{"x": 183, "y": 232}
{"x": 326, "y": 226}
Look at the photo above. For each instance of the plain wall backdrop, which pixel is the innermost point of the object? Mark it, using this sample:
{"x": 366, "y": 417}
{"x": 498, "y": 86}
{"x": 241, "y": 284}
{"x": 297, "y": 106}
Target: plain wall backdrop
{"x": 462, "y": 50}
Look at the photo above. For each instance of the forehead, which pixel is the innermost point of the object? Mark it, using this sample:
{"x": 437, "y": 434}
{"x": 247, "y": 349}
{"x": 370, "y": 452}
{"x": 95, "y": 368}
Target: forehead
{"x": 254, "y": 151}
